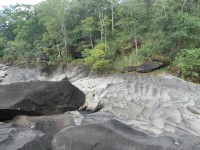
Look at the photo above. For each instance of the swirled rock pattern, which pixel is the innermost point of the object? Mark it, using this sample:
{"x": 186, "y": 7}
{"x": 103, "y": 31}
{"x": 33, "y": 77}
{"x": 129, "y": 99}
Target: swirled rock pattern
{"x": 154, "y": 104}
{"x": 137, "y": 111}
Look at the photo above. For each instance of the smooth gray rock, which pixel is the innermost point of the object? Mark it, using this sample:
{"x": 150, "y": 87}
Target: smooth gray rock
{"x": 39, "y": 98}
{"x": 76, "y": 72}
{"x": 19, "y": 138}
{"x": 49, "y": 125}
{"x": 16, "y": 74}
{"x": 98, "y": 117}
{"x": 114, "y": 135}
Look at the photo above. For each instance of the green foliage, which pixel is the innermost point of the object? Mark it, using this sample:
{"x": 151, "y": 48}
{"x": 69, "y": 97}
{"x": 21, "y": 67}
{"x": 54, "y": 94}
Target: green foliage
{"x": 2, "y": 45}
{"x": 175, "y": 28}
{"x": 97, "y": 57}
{"x": 188, "y": 62}
{"x": 19, "y": 30}
{"x": 17, "y": 51}
{"x": 165, "y": 60}
{"x": 127, "y": 60}
{"x": 88, "y": 25}
{"x": 133, "y": 30}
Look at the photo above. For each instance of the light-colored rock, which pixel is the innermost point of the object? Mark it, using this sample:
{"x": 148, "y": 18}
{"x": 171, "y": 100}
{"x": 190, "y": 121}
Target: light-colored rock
{"x": 78, "y": 118}
{"x": 15, "y": 74}
{"x": 150, "y": 103}
{"x": 71, "y": 73}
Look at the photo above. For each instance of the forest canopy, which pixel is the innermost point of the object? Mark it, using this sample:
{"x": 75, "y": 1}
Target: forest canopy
{"x": 106, "y": 33}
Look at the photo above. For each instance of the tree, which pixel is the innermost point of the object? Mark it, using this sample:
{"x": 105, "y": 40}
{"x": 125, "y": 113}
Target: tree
{"x": 131, "y": 15}
{"x": 102, "y": 11}
{"x": 19, "y": 30}
{"x": 96, "y": 57}
{"x": 188, "y": 62}
{"x": 53, "y": 14}
{"x": 179, "y": 28}
{"x": 113, "y": 4}
{"x": 88, "y": 25}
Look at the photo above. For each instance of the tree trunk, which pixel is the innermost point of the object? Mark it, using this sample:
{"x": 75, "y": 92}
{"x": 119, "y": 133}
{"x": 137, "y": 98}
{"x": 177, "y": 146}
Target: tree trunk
{"x": 136, "y": 46}
{"x": 91, "y": 42}
{"x": 112, "y": 9}
{"x": 136, "y": 49}
{"x": 101, "y": 23}
{"x": 183, "y": 5}
{"x": 64, "y": 33}
{"x": 105, "y": 40}
{"x": 59, "y": 52}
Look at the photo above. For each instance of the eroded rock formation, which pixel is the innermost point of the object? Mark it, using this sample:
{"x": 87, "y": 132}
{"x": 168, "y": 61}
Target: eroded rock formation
{"x": 155, "y": 104}
{"x": 136, "y": 111}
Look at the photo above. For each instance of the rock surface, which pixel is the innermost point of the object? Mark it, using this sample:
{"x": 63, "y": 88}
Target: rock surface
{"x": 145, "y": 67}
{"x": 114, "y": 135}
{"x": 18, "y": 138}
{"x": 164, "y": 108}
{"x": 43, "y": 64}
{"x": 129, "y": 69}
{"x": 71, "y": 73}
{"x": 148, "y": 66}
{"x": 13, "y": 74}
{"x": 49, "y": 125}
{"x": 39, "y": 98}
{"x": 153, "y": 104}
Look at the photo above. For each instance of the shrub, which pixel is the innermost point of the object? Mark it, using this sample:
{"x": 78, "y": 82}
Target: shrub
{"x": 127, "y": 60}
{"x": 188, "y": 62}
{"x": 161, "y": 58}
{"x": 97, "y": 57}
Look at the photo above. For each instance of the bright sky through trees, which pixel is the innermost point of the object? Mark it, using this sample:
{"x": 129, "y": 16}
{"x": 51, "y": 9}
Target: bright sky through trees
{"x": 13, "y": 2}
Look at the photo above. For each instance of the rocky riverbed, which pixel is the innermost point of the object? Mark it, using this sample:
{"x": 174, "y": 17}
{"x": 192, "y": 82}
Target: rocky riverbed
{"x": 118, "y": 112}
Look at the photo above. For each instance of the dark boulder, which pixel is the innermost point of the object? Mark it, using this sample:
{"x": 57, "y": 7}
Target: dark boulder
{"x": 43, "y": 68}
{"x": 145, "y": 67}
{"x": 114, "y": 135}
{"x": 13, "y": 137}
{"x": 77, "y": 55}
{"x": 129, "y": 69}
{"x": 39, "y": 98}
{"x": 149, "y": 66}
{"x": 46, "y": 45}
{"x": 49, "y": 125}
{"x": 43, "y": 64}
{"x": 43, "y": 57}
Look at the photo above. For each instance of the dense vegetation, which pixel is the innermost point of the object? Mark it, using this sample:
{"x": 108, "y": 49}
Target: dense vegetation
{"x": 110, "y": 34}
